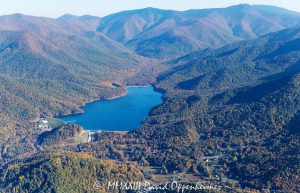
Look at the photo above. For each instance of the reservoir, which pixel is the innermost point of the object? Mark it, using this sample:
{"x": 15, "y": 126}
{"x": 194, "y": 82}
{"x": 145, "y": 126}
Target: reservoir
{"x": 125, "y": 113}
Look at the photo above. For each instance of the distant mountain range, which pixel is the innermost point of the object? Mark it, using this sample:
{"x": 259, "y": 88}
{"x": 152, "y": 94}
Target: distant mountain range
{"x": 66, "y": 23}
{"x": 170, "y": 34}
{"x": 166, "y": 34}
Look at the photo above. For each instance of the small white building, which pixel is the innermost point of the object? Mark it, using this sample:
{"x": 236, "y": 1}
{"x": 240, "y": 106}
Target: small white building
{"x": 44, "y": 121}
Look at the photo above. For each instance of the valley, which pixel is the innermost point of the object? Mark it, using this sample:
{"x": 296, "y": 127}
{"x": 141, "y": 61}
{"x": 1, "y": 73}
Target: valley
{"x": 227, "y": 114}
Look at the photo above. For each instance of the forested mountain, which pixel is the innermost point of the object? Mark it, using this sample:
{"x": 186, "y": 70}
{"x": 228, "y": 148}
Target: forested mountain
{"x": 48, "y": 55}
{"x": 166, "y": 33}
{"x": 64, "y": 172}
{"x": 238, "y": 64}
{"x": 85, "y": 22}
{"x": 52, "y": 66}
{"x": 231, "y": 93}
{"x": 65, "y": 23}
{"x": 241, "y": 104}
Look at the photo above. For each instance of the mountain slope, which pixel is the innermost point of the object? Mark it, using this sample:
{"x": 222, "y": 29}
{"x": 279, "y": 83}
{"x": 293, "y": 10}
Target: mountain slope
{"x": 64, "y": 24}
{"x": 167, "y": 34}
{"x": 58, "y": 54}
{"x": 240, "y": 103}
{"x": 85, "y": 22}
{"x": 64, "y": 172}
{"x": 241, "y": 63}
{"x": 65, "y": 59}
{"x": 48, "y": 67}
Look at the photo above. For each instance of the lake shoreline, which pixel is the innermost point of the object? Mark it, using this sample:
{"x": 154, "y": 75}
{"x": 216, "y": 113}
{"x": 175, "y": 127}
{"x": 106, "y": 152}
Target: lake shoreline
{"x": 113, "y": 97}
{"x": 122, "y": 94}
{"x": 91, "y": 101}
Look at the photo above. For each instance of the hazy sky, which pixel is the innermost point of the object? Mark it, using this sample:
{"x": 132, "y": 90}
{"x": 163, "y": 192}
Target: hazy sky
{"x": 55, "y": 8}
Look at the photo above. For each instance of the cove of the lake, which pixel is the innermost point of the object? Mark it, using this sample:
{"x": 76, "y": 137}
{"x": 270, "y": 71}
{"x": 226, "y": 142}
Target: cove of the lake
{"x": 125, "y": 113}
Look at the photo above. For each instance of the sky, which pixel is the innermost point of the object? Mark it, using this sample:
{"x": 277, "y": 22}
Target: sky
{"x": 56, "y": 8}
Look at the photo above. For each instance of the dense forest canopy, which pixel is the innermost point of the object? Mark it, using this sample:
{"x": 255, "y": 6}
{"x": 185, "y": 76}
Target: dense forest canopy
{"x": 230, "y": 79}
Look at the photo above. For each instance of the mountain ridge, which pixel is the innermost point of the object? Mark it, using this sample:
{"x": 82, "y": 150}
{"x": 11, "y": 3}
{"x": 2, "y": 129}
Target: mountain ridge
{"x": 145, "y": 30}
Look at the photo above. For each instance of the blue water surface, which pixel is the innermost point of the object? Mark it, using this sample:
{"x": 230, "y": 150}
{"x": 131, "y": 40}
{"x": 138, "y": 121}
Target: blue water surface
{"x": 121, "y": 114}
